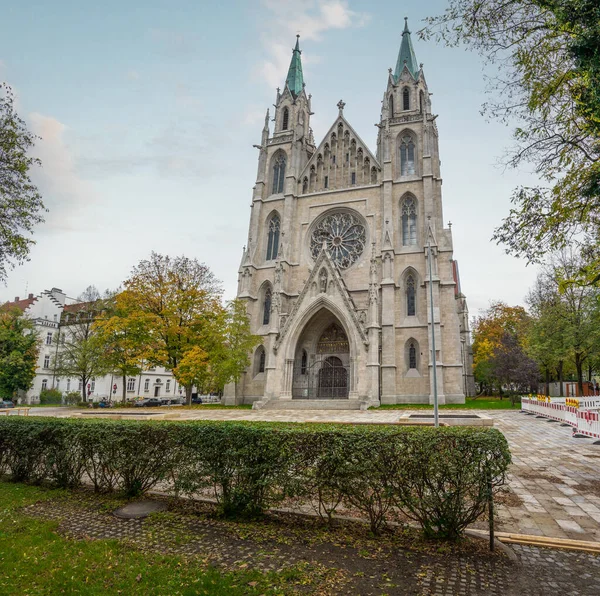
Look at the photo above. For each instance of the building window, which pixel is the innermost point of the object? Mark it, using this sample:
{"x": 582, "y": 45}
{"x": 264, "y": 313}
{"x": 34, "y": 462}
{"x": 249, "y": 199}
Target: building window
{"x": 267, "y": 307}
{"x": 412, "y": 355}
{"x": 49, "y": 338}
{"x": 80, "y": 385}
{"x": 131, "y": 384}
{"x": 286, "y": 119}
{"x": 168, "y": 386}
{"x": 407, "y": 156}
{"x": 46, "y": 361}
{"x": 305, "y": 185}
{"x": 44, "y": 384}
{"x": 57, "y": 383}
{"x": 326, "y": 182}
{"x": 273, "y": 239}
{"x": 421, "y": 102}
{"x": 147, "y": 385}
{"x": 259, "y": 360}
{"x": 347, "y": 157}
{"x": 93, "y": 385}
{"x": 333, "y": 158}
{"x": 304, "y": 363}
{"x": 391, "y": 106}
{"x": 406, "y": 99}
{"x": 55, "y": 318}
{"x": 411, "y": 302}
{"x": 68, "y": 384}
{"x": 353, "y": 178}
{"x": 409, "y": 221}
{"x": 278, "y": 173}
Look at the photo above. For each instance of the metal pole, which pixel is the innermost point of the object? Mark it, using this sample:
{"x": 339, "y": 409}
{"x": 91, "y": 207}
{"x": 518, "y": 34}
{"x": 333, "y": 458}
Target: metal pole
{"x": 435, "y": 392}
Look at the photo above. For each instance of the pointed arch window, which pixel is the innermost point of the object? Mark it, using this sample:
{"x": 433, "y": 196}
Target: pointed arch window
{"x": 286, "y": 119}
{"x": 412, "y": 355}
{"x": 421, "y": 102}
{"x": 391, "y": 106}
{"x": 273, "y": 239}
{"x": 305, "y": 185}
{"x": 407, "y": 155}
{"x": 259, "y": 360}
{"x": 409, "y": 221}
{"x": 267, "y": 307}
{"x": 411, "y": 296}
{"x": 406, "y": 99}
{"x": 278, "y": 174}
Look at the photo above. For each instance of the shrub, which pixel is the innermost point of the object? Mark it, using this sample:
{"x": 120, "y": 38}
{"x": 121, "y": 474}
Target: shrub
{"x": 438, "y": 477}
{"x": 50, "y": 396}
{"x": 73, "y": 398}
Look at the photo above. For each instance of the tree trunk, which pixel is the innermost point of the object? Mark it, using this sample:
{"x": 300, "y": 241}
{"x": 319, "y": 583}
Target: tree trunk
{"x": 590, "y": 372}
{"x": 579, "y": 367}
{"x": 124, "y": 388}
{"x": 560, "y": 379}
{"x": 83, "y": 390}
{"x": 188, "y": 395}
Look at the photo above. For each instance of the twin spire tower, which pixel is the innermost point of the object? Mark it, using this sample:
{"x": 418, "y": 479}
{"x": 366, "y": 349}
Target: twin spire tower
{"x": 334, "y": 270}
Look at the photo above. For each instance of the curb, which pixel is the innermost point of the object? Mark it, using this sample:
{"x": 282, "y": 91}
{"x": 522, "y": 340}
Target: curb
{"x": 544, "y": 541}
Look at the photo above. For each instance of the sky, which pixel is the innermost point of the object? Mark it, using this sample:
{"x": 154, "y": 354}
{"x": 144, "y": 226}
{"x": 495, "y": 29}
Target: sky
{"x": 148, "y": 113}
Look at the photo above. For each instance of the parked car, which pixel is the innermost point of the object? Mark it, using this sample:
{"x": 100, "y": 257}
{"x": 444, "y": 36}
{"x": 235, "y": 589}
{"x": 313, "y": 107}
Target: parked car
{"x": 149, "y": 402}
{"x": 6, "y": 403}
{"x": 197, "y": 400}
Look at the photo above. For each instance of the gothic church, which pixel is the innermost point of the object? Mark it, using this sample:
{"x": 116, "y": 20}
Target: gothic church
{"x": 336, "y": 268}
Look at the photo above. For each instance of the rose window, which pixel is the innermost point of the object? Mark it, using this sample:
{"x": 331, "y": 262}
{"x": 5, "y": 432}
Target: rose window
{"x": 344, "y": 235}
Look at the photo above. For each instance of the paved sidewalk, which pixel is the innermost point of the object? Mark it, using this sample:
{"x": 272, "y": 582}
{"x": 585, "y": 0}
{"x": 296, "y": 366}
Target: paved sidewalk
{"x": 554, "y": 478}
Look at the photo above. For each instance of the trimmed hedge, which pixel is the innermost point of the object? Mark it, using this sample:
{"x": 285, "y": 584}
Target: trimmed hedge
{"x": 439, "y": 477}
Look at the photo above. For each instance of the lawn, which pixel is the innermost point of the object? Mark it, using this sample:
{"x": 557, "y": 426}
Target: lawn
{"x": 479, "y": 403}
{"x": 36, "y": 560}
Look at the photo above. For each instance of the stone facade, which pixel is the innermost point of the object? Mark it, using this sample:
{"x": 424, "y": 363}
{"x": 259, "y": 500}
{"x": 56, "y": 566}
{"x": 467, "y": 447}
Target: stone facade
{"x": 336, "y": 268}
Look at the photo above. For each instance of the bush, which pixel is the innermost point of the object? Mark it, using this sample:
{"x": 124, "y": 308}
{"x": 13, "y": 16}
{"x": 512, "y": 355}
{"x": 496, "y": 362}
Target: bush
{"x": 73, "y": 398}
{"x": 50, "y": 396}
{"x": 438, "y": 477}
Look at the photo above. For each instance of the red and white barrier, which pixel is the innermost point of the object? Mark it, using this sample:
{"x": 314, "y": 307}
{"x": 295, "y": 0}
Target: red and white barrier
{"x": 584, "y": 418}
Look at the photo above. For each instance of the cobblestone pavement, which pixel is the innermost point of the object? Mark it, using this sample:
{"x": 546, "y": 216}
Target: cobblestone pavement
{"x": 554, "y": 480}
{"x": 541, "y": 572}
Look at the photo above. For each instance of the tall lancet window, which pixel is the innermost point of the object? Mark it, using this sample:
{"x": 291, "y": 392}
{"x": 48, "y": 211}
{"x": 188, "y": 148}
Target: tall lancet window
{"x": 273, "y": 239}
{"x": 409, "y": 221}
{"x": 267, "y": 307}
{"x": 391, "y": 107}
{"x": 278, "y": 173}
{"x": 412, "y": 355}
{"x": 286, "y": 119}
{"x": 411, "y": 302}
{"x": 407, "y": 155}
{"x": 406, "y": 99}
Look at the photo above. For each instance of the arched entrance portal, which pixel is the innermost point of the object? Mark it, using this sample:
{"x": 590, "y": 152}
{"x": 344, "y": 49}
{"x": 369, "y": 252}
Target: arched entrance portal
{"x": 322, "y": 362}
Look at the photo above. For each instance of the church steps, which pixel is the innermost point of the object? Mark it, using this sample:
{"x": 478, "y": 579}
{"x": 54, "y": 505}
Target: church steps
{"x": 313, "y": 404}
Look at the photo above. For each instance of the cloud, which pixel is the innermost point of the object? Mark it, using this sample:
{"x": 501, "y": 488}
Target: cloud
{"x": 311, "y": 19}
{"x": 64, "y": 192}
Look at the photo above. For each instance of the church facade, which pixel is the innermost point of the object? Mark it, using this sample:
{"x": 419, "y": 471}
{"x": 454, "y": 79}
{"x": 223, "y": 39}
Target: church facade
{"x": 335, "y": 272}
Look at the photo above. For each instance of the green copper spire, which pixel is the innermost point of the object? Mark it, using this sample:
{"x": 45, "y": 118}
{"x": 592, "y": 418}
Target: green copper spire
{"x": 406, "y": 55}
{"x": 295, "y": 79}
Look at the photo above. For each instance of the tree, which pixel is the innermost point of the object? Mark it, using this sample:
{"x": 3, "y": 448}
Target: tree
{"x": 194, "y": 369}
{"x": 548, "y": 56}
{"x": 20, "y": 201}
{"x": 489, "y": 336}
{"x": 125, "y": 338}
{"x": 19, "y": 349}
{"x": 179, "y": 300}
{"x": 81, "y": 352}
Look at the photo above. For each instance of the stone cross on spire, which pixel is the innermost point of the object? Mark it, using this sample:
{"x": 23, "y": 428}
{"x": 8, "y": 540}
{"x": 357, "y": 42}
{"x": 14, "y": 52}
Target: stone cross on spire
{"x": 341, "y": 106}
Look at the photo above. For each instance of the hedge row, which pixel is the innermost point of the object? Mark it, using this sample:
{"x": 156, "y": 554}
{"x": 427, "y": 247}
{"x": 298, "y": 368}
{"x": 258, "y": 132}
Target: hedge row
{"x": 438, "y": 477}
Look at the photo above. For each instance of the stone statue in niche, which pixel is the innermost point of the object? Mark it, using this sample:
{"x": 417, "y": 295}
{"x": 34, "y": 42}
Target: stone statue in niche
{"x": 323, "y": 281}
{"x": 362, "y": 316}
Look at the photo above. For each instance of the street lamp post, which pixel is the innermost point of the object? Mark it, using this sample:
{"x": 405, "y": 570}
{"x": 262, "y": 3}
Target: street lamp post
{"x": 435, "y": 391}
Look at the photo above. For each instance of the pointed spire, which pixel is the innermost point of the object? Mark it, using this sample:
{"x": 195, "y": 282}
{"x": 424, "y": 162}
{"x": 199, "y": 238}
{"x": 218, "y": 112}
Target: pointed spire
{"x": 295, "y": 78}
{"x": 406, "y": 55}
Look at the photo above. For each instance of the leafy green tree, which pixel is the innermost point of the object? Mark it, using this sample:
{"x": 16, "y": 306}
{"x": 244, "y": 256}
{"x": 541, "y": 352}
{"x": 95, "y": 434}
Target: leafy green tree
{"x": 547, "y": 54}
{"x": 19, "y": 350}
{"x": 20, "y": 201}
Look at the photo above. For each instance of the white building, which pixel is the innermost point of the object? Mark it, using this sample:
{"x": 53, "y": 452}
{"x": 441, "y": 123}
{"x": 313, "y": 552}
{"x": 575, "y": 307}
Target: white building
{"x": 52, "y": 313}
